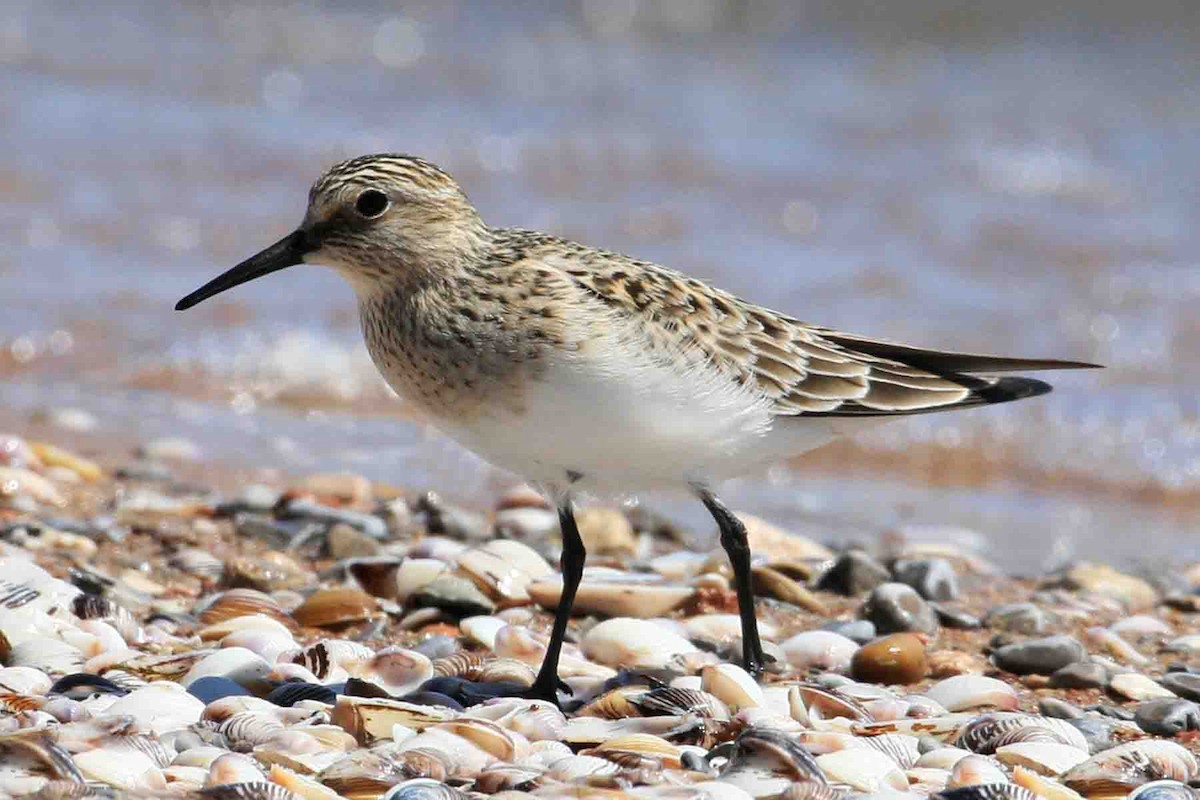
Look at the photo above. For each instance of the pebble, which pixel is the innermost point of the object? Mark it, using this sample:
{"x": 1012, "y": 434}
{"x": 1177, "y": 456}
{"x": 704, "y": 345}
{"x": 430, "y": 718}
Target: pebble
{"x": 1080, "y": 675}
{"x": 453, "y": 594}
{"x": 1167, "y": 717}
{"x": 171, "y": 448}
{"x": 1040, "y": 656}
{"x": 1135, "y": 686}
{"x": 211, "y": 688}
{"x": 1184, "y": 684}
{"x": 955, "y": 618}
{"x": 606, "y": 532}
{"x": 857, "y": 630}
{"x": 772, "y": 541}
{"x": 896, "y": 659}
{"x": 896, "y": 608}
{"x": 1133, "y": 592}
{"x": 933, "y": 578}
{"x": 853, "y": 574}
{"x": 346, "y": 541}
{"x": 1025, "y": 618}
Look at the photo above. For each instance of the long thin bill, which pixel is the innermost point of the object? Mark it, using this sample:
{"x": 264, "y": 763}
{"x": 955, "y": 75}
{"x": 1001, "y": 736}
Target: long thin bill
{"x": 287, "y": 252}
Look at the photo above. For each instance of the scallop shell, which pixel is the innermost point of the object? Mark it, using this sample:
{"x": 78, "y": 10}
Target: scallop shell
{"x": 268, "y": 572}
{"x": 675, "y": 701}
{"x": 1163, "y": 790}
{"x": 986, "y": 791}
{"x": 361, "y": 774}
{"x": 965, "y": 692}
{"x": 398, "y": 671}
{"x": 639, "y": 749}
{"x": 1127, "y": 766}
{"x": 241, "y": 603}
{"x": 329, "y": 608}
{"x": 424, "y": 789}
{"x": 334, "y": 659}
{"x": 985, "y": 733}
{"x": 616, "y": 703}
{"x": 765, "y": 762}
{"x": 260, "y": 790}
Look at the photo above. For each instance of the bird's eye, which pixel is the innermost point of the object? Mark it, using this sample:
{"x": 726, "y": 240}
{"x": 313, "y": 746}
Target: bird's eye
{"x": 371, "y": 203}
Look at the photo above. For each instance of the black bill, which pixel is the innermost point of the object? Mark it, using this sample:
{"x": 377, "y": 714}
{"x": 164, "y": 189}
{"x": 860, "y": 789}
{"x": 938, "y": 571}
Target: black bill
{"x": 287, "y": 252}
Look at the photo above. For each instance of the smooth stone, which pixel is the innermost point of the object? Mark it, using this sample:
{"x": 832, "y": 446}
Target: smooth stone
{"x": 1140, "y": 625}
{"x": 1080, "y": 675}
{"x": 825, "y": 651}
{"x": 438, "y": 645}
{"x": 1058, "y": 708}
{"x": 344, "y": 487}
{"x": 1188, "y": 643}
{"x": 346, "y": 541}
{"x": 769, "y": 582}
{"x": 852, "y": 574}
{"x": 955, "y": 618}
{"x": 300, "y": 508}
{"x": 896, "y": 659}
{"x": 238, "y": 664}
{"x": 1039, "y": 656}
{"x": 1137, "y": 687}
{"x": 857, "y": 630}
{"x": 210, "y": 688}
{"x": 1167, "y": 717}
{"x": 526, "y": 523}
{"x": 444, "y": 519}
{"x": 1100, "y": 579}
{"x": 1026, "y": 618}
{"x": 453, "y": 594}
{"x": 776, "y": 544}
{"x": 1184, "y": 684}
{"x": 897, "y": 608}
{"x": 933, "y": 578}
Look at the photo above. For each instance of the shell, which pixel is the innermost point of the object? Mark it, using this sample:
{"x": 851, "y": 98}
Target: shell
{"x": 675, "y": 701}
{"x": 963, "y": 692}
{"x": 398, "y": 671}
{"x": 329, "y": 608}
{"x": 1045, "y": 758}
{"x": 367, "y": 719}
{"x": 989, "y": 731}
{"x": 975, "y": 770}
{"x": 732, "y": 685}
{"x": 259, "y": 790}
{"x": 241, "y": 603}
{"x": 634, "y": 643}
{"x": 334, "y": 659}
{"x": 1127, "y": 766}
{"x": 986, "y": 791}
{"x": 863, "y": 770}
{"x": 766, "y": 762}
{"x": 1163, "y": 790}
{"x": 424, "y": 789}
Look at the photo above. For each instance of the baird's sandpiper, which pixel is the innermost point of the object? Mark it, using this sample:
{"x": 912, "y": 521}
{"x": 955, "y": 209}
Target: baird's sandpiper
{"x": 579, "y": 368}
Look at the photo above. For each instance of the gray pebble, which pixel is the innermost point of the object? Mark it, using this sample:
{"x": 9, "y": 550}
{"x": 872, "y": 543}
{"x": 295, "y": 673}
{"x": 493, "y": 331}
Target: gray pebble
{"x": 933, "y": 578}
{"x": 896, "y": 607}
{"x": 860, "y": 631}
{"x": 300, "y": 508}
{"x": 1167, "y": 716}
{"x": 955, "y": 617}
{"x": 1080, "y": 675}
{"x": 1184, "y": 684}
{"x": 852, "y": 574}
{"x": 437, "y": 646}
{"x": 1040, "y": 656}
{"x": 1058, "y": 709}
{"x": 452, "y": 521}
{"x": 453, "y": 594}
{"x": 1025, "y": 618}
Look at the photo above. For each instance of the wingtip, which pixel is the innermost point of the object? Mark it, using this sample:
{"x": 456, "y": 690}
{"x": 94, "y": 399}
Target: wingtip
{"x": 1006, "y": 390}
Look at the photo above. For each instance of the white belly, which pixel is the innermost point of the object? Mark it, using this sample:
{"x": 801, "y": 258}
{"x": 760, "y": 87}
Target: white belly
{"x": 625, "y": 424}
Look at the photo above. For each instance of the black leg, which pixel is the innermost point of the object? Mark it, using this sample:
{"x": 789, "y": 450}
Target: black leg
{"x": 733, "y": 539}
{"x": 546, "y": 685}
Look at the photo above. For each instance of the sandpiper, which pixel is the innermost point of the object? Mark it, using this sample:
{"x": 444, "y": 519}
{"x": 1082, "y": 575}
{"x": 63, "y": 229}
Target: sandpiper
{"x": 583, "y": 369}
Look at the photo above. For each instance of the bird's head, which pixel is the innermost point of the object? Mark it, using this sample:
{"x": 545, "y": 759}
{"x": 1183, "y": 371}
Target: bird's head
{"x": 377, "y": 220}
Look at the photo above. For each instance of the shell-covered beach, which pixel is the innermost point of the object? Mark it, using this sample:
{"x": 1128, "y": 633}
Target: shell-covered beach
{"x": 324, "y": 636}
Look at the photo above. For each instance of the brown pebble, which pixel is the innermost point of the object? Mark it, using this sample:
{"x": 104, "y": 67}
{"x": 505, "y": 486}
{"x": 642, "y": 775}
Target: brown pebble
{"x": 895, "y": 659}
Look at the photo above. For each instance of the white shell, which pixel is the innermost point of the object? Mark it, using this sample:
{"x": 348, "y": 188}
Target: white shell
{"x": 964, "y": 692}
{"x": 733, "y": 685}
{"x": 821, "y": 650}
{"x": 627, "y": 642}
{"x": 1045, "y": 758}
{"x": 862, "y": 769}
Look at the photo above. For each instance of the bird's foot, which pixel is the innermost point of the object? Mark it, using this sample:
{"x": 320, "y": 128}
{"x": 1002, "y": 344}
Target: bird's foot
{"x": 546, "y": 691}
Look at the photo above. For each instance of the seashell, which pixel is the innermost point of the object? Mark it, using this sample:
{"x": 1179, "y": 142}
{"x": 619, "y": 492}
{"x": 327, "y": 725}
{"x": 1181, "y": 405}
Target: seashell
{"x": 505, "y": 670}
{"x": 1122, "y": 768}
{"x": 247, "y": 791}
{"x": 233, "y": 768}
{"x": 266, "y": 644}
{"x": 942, "y": 758}
{"x": 975, "y": 770}
{"x": 220, "y": 710}
{"x": 732, "y": 685}
{"x": 575, "y": 768}
{"x": 482, "y": 629}
{"x": 198, "y": 562}
{"x": 334, "y": 660}
{"x": 965, "y": 692}
{"x": 414, "y": 574}
{"x": 267, "y": 572}
{"x": 247, "y": 729}
{"x": 121, "y": 768}
{"x": 901, "y": 748}
{"x": 810, "y": 705}
{"x": 302, "y": 786}
{"x": 1163, "y": 790}
{"x": 503, "y": 569}
{"x": 505, "y": 777}
{"x": 943, "y": 727}
{"x": 235, "y": 663}
{"x": 722, "y": 629}
{"x": 24, "y": 680}
{"x": 1108, "y": 641}
{"x": 633, "y": 643}
{"x": 98, "y": 607}
{"x": 50, "y": 656}
{"x": 985, "y": 791}
{"x": 805, "y": 791}
{"x": 40, "y": 747}
{"x": 989, "y": 731}
{"x": 863, "y": 770}
{"x": 463, "y": 758}
{"x": 330, "y": 608}
{"x": 463, "y": 664}
{"x": 256, "y": 623}
{"x": 638, "y": 749}
{"x": 484, "y": 734}
{"x": 1043, "y": 787}
{"x": 243, "y": 602}
{"x": 1136, "y": 686}
{"x": 367, "y": 719}
{"x": 422, "y": 763}
{"x": 535, "y": 720}
{"x": 618, "y": 594}
{"x": 361, "y": 774}
{"x": 17, "y": 481}
{"x": 616, "y": 703}
{"x": 677, "y": 702}
{"x": 765, "y": 762}
{"x": 770, "y": 582}
{"x": 1044, "y": 758}
{"x": 824, "y": 651}
{"x": 288, "y": 694}
{"x": 15, "y": 703}
{"x": 159, "y": 707}
{"x": 397, "y": 670}
{"x": 424, "y": 789}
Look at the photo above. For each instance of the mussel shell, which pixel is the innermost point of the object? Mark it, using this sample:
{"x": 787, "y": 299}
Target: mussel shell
{"x": 82, "y": 685}
{"x": 288, "y": 694}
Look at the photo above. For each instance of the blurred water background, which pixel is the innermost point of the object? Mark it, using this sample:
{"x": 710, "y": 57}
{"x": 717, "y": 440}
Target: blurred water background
{"x": 1019, "y": 178}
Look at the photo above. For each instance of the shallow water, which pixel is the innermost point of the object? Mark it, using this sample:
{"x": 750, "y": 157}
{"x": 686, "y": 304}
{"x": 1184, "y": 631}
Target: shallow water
{"x": 998, "y": 181}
